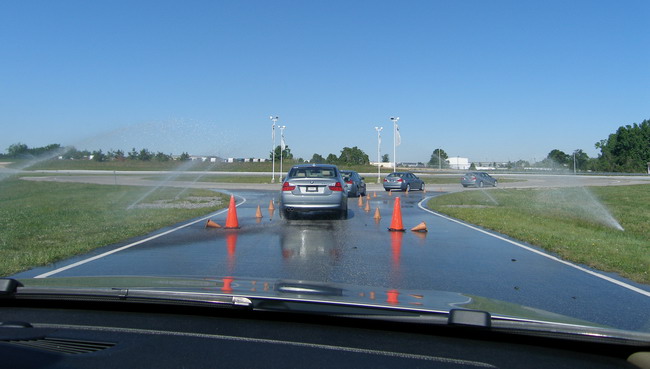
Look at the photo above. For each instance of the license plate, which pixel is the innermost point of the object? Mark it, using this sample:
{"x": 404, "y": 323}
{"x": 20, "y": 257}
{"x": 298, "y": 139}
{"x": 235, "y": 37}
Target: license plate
{"x": 312, "y": 189}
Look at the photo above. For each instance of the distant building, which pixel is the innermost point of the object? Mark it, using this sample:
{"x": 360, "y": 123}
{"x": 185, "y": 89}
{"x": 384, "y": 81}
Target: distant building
{"x": 457, "y": 162}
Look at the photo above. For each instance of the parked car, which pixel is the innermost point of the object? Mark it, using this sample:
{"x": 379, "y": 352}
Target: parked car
{"x": 354, "y": 183}
{"x": 478, "y": 179}
{"x": 313, "y": 188}
{"x": 403, "y": 181}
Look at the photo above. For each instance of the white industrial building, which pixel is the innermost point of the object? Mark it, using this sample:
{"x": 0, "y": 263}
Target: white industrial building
{"x": 457, "y": 162}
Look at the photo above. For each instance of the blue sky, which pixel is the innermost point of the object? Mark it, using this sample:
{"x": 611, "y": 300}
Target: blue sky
{"x": 488, "y": 80}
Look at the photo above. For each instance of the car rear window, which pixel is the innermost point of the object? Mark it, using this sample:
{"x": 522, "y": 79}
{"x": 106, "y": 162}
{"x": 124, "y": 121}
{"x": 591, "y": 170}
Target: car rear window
{"x": 313, "y": 172}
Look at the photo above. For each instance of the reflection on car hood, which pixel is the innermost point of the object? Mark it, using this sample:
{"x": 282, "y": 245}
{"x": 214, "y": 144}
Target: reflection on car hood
{"x": 414, "y": 300}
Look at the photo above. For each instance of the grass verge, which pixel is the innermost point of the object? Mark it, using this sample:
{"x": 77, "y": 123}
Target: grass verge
{"x": 578, "y": 224}
{"x": 42, "y": 222}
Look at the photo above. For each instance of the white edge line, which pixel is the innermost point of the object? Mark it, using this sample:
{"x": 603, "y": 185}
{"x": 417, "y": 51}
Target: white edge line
{"x": 81, "y": 262}
{"x": 601, "y": 276}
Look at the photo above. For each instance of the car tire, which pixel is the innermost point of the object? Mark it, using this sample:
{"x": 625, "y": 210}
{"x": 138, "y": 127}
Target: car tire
{"x": 408, "y": 187}
{"x": 284, "y": 213}
{"x": 422, "y": 186}
{"x": 495, "y": 184}
{"x": 480, "y": 184}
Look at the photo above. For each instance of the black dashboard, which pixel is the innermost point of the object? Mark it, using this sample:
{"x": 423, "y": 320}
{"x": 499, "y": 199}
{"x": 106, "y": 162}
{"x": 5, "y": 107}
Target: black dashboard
{"x": 37, "y": 334}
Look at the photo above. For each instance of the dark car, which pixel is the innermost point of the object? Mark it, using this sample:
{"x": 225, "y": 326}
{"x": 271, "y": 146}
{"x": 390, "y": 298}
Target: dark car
{"x": 478, "y": 179}
{"x": 403, "y": 181}
{"x": 313, "y": 188}
{"x": 354, "y": 183}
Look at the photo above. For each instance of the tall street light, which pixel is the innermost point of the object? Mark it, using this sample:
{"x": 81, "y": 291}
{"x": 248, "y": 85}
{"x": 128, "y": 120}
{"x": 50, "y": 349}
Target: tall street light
{"x": 396, "y": 141}
{"x": 275, "y": 120}
{"x": 378, "y": 129}
{"x": 281, "y": 150}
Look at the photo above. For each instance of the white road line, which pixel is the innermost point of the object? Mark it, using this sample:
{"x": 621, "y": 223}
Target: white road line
{"x": 601, "y": 276}
{"x": 81, "y": 262}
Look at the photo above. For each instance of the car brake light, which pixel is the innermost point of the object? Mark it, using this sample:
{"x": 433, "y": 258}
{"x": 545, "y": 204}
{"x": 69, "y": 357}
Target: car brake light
{"x": 348, "y": 182}
{"x": 400, "y": 180}
{"x": 287, "y": 187}
{"x": 337, "y": 187}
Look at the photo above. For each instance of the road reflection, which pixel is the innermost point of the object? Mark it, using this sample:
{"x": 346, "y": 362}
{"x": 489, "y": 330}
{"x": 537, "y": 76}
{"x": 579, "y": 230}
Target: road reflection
{"x": 311, "y": 239}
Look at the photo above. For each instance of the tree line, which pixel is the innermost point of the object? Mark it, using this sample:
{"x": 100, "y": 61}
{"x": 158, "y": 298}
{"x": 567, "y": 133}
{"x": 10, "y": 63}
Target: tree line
{"x": 22, "y": 151}
{"x": 626, "y": 150}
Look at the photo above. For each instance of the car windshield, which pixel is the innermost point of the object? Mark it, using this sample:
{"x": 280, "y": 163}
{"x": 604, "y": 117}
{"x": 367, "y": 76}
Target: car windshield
{"x": 313, "y": 172}
{"x": 161, "y": 139}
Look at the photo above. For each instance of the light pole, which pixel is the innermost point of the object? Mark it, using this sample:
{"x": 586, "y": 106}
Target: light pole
{"x": 574, "y": 162}
{"x": 378, "y": 129}
{"x": 275, "y": 120}
{"x": 281, "y": 150}
{"x": 395, "y": 143}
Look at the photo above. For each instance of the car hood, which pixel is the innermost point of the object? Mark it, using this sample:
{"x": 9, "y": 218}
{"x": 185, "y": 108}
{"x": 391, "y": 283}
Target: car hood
{"x": 327, "y": 293}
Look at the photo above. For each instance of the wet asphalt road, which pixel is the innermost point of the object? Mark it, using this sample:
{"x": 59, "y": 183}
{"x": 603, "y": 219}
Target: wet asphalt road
{"x": 361, "y": 251}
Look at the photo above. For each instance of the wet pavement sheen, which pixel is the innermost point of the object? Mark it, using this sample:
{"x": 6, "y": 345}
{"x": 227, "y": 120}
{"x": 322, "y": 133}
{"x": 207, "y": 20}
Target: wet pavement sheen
{"x": 361, "y": 251}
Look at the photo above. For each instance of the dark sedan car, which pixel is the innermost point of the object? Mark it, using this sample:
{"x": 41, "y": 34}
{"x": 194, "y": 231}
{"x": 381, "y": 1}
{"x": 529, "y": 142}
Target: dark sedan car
{"x": 403, "y": 181}
{"x": 354, "y": 183}
{"x": 478, "y": 179}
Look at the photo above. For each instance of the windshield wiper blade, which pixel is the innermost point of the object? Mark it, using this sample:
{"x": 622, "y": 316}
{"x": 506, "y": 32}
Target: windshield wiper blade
{"x": 10, "y": 288}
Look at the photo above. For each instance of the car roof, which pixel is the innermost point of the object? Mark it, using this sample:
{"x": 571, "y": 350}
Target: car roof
{"x": 314, "y": 165}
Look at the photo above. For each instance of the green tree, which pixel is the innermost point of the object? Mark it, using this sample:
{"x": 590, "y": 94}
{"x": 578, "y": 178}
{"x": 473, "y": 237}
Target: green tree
{"x": 332, "y": 159}
{"x": 385, "y": 158}
{"x": 145, "y": 155}
{"x": 627, "y": 150}
{"x": 353, "y": 156}
{"x": 286, "y": 154}
{"x": 438, "y": 159}
{"x": 581, "y": 159}
{"x": 98, "y": 155}
{"x": 472, "y": 166}
{"x": 162, "y": 156}
{"x": 133, "y": 154}
{"x": 17, "y": 149}
{"x": 317, "y": 159}
{"x": 184, "y": 157}
{"x": 558, "y": 158}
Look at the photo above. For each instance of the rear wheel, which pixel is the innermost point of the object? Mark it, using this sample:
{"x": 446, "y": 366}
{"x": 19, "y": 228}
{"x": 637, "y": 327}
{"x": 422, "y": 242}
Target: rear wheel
{"x": 422, "y": 187}
{"x": 408, "y": 187}
{"x": 480, "y": 184}
{"x": 495, "y": 184}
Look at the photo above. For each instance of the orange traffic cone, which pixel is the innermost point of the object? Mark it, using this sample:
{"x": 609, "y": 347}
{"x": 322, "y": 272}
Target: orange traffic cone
{"x": 390, "y": 193}
{"x": 367, "y": 208}
{"x": 360, "y": 201}
{"x": 396, "y": 223}
{"x": 271, "y": 207}
{"x": 231, "y": 219}
{"x": 377, "y": 215}
{"x": 211, "y": 224}
{"x": 258, "y": 213}
{"x": 422, "y": 227}
{"x": 374, "y": 194}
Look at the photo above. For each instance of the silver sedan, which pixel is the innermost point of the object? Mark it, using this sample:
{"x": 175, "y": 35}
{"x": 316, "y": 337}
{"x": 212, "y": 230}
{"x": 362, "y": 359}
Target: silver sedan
{"x": 313, "y": 188}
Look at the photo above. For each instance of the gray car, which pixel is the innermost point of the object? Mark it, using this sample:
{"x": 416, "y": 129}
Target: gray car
{"x": 403, "y": 181}
{"x": 354, "y": 183}
{"x": 478, "y": 179}
{"x": 314, "y": 188}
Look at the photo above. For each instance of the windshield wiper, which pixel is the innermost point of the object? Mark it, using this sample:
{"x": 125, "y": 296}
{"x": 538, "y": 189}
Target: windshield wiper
{"x": 10, "y": 288}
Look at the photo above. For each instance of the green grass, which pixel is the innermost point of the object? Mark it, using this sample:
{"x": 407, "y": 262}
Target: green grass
{"x": 571, "y": 222}
{"x": 216, "y": 178}
{"x": 42, "y": 222}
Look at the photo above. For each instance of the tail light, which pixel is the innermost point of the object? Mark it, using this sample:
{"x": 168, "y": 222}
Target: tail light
{"x": 337, "y": 187}
{"x": 400, "y": 180}
{"x": 348, "y": 182}
{"x": 287, "y": 187}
